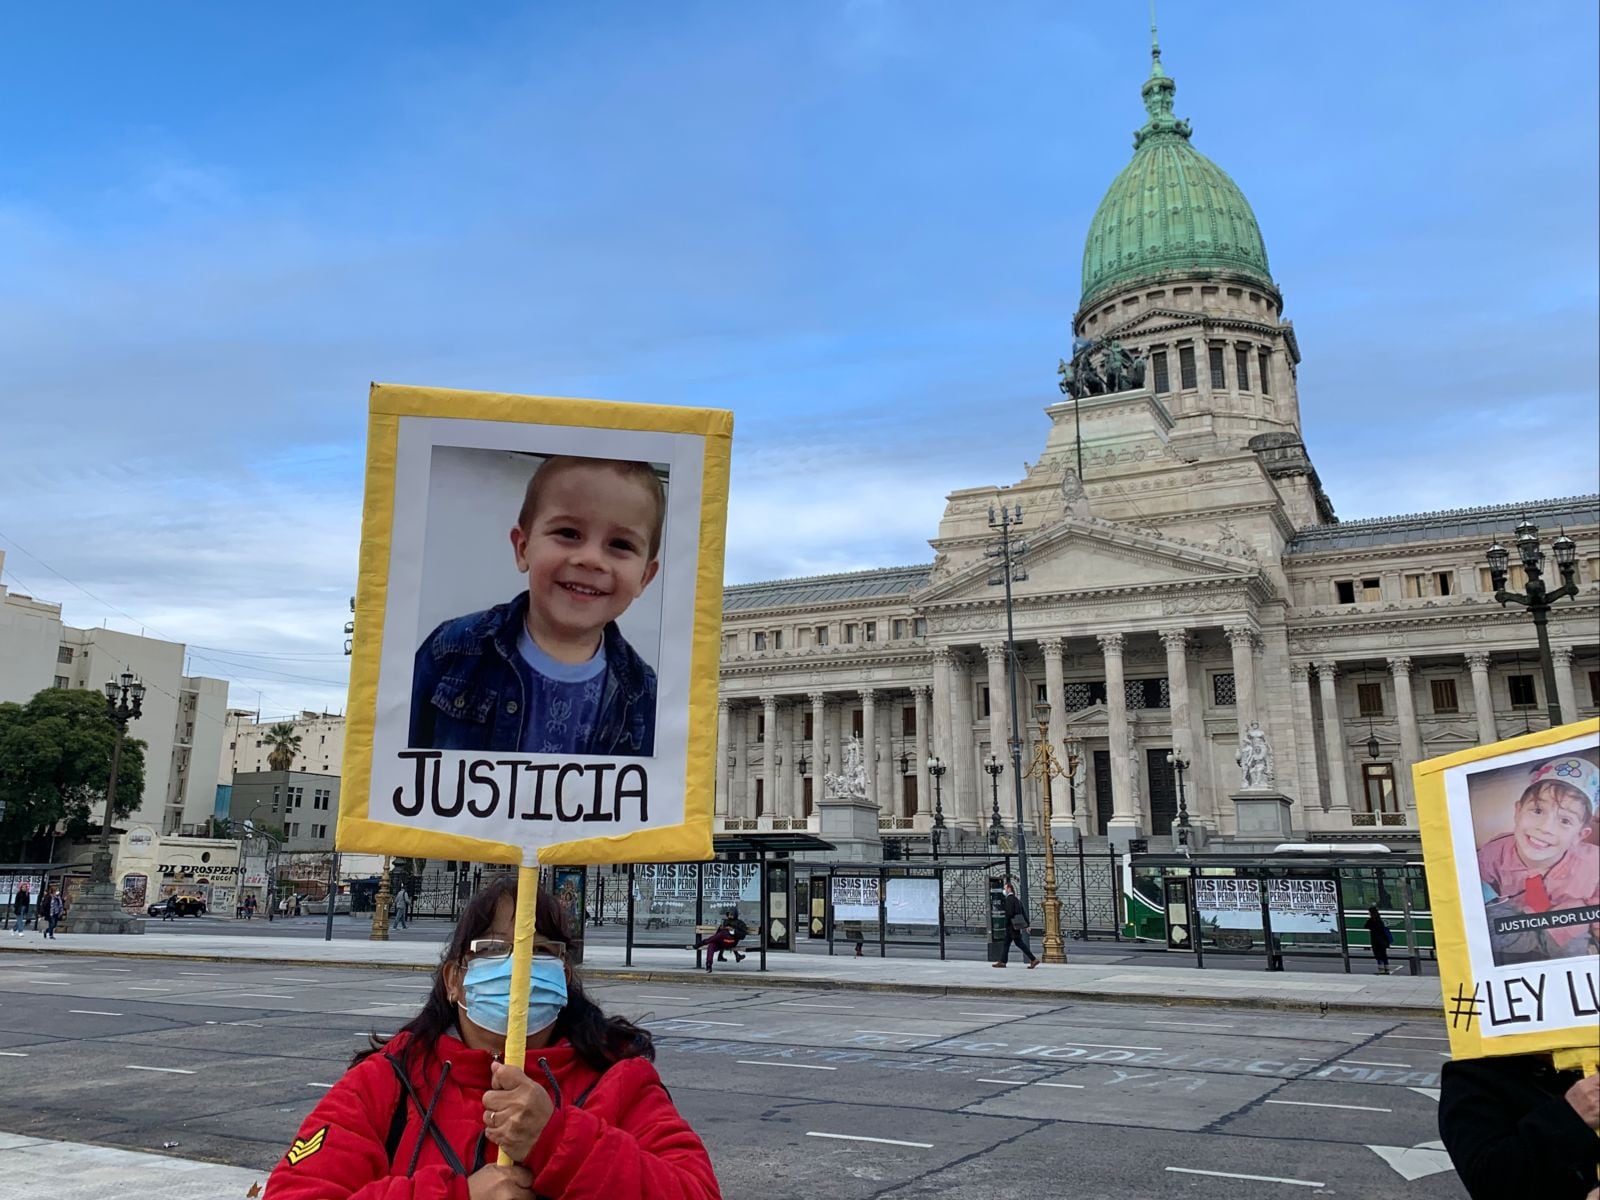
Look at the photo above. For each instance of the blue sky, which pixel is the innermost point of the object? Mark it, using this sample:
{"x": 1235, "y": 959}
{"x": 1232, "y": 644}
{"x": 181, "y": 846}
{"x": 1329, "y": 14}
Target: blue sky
{"x": 858, "y": 225}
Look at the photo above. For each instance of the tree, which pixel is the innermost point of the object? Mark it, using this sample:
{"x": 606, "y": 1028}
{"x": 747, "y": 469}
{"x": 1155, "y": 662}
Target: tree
{"x": 285, "y": 743}
{"x": 55, "y": 762}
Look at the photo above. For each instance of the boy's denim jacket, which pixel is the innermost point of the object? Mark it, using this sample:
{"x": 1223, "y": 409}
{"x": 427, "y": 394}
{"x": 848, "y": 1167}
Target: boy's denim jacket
{"x": 471, "y": 686}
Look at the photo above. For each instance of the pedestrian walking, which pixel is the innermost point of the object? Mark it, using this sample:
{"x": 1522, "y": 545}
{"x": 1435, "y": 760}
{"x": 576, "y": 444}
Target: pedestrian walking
{"x": 1017, "y": 925}
{"x": 422, "y": 1114}
{"x": 249, "y": 907}
{"x": 54, "y": 906}
{"x": 169, "y": 911}
{"x": 402, "y": 907}
{"x": 1380, "y": 936}
{"x": 20, "y": 904}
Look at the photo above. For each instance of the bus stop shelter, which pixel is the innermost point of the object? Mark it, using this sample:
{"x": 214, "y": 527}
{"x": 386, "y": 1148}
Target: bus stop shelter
{"x": 676, "y": 895}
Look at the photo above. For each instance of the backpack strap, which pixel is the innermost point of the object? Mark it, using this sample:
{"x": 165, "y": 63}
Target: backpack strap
{"x": 397, "y": 1126}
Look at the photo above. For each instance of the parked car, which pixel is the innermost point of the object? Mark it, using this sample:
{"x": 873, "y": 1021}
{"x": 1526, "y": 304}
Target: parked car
{"x": 188, "y": 906}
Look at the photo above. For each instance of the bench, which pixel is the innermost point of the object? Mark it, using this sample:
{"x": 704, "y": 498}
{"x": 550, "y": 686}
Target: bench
{"x": 749, "y": 944}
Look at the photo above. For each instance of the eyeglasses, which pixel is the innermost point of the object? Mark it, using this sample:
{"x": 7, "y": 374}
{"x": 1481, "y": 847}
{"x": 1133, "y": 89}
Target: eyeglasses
{"x": 490, "y": 948}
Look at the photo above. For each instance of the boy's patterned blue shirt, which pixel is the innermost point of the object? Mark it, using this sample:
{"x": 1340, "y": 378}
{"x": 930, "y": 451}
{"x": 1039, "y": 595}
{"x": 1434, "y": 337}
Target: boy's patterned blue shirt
{"x": 566, "y": 700}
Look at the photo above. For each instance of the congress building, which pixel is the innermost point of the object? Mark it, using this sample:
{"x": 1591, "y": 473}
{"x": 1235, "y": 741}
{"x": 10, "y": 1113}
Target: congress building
{"x": 1177, "y": 575}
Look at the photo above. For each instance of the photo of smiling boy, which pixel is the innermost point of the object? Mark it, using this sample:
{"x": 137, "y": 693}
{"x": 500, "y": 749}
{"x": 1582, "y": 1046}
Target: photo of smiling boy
{"x": 1540, "y": 876}
{"x": 549, "y": 672}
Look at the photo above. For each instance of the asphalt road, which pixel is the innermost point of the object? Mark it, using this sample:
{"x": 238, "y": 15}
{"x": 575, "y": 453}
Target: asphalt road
{"x": 797, "y": 1094}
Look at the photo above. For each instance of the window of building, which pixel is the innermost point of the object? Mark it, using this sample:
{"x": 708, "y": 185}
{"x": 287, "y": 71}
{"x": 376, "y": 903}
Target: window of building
{"x": 1041, "y": 694}
{"x": 869, "y": 631}
{"x": 1430, "y": 583}
{"x": 1369, "y": 699}
{"x": 1223, "y": 693}
{"x": 1594, "y": 570}
{"x": 1594, "y": 688}
{"x": 1158, "y": 365}
{"x": 760, "y": 640}
{"x": 1378, "y": 794}
{"x": 1186, "y": 372}
{"x": 730, "y": 644}
{"x": 1241, "y": 363}
{"x": 1147, "y": 693}
{"x": 822, "y": 635}
{"x": 1522, "y": 693}
{"x": 1444, "y": 583}
{"x": 761, "y": 727}
{"x": 1219, "y": 378}
{"x": 805, "y": 797}
{"x": 856, "y": 722}
{"x": 777, "y": 639}
{"x": 321, "y": 831}
{"x": 761, "y": 797}
{"x": 62, "y": 681}
{"x": 849, "y": 634}
{"x": 983, "y": 700}
{"x": 1264, "y": 364}
{"x": 63, "y": 654}
{"x": 1516, "y": 579}
{"x": 908, "y": 720}
{"x": 919, "y": 627}
{"x": 808, "y": 724}
{"x": 292, "y": 828}
{"x": 1444, "y": 695}
{"x": 1351, "y": 591}
{"x": 1344, "y": 590}
{"x": 899, "y": 630}
{"x": 1081, "y": 694}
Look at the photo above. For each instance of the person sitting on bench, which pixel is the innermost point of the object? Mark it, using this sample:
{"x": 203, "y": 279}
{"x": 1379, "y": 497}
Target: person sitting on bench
{"x": 729, "y": 934}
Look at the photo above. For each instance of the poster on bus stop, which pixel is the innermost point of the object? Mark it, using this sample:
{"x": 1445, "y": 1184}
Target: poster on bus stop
{"x": 1511, "y": 841}
{"x": 536, "y": 633}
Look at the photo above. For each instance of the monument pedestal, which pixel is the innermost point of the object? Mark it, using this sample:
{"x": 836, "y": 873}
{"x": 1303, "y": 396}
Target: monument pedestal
{"x": 851, "y": 824}
{"x": 98, "y": 909}
{"x": 1262, "y": 815}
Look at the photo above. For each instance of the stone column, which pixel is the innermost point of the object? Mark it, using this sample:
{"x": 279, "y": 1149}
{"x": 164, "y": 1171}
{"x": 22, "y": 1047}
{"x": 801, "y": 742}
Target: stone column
{"x": 1405, "y": 711}
{"x": 999, "y": 724}
{"x": 788, "y": 719}
{"x": 819, "y": 738}
{"x": 724, "y": 753}
{"x": 1124, "y": 821}
{"x": 1185, "y": 739}
{"x": 1242, "y": 641}
{"x": 1565, "y": 692}
{"x": 1333, "y": 743}
{"x": 1055, "y": 691}
{"x": 869, "y": 744}
{"x": 1482, "y": 697}
{"x": 1305, "y": 735}
{"x": 944, "y": 726}
{"x": 963, "y": 781}
{"x": 920, "y": 693}
{"x": 769, "y": 756}
{"x": 744, "y": 804}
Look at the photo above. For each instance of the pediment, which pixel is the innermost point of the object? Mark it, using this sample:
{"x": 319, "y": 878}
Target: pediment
{"x": 1083, "y": 554}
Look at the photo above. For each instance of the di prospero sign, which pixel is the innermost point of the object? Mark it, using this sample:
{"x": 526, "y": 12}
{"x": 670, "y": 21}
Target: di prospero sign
{"x": 1511, "y": 841}
{"x": 537, "y": 626}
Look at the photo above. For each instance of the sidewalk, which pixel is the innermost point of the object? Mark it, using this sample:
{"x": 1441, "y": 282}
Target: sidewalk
{"x": 1397, "y": 994}
{"x": 32, "y": 1167}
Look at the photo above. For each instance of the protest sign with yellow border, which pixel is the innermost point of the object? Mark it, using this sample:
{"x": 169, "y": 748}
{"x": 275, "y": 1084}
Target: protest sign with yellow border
{"x": 1509, "y": 836}
{"x": 447, "y": 753}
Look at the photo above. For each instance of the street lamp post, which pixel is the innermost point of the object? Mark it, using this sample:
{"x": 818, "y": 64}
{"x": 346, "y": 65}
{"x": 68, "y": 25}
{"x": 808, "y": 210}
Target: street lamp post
{"x": 1046, "y": 766}
{"x": 1007, "y": 518}
{"x": 98, "y": 909}
{"x": 380, "y": 907}
{"x": 993, "y": 767}
{"x": 801, "y": 766}
{"x": 1539, "y": 598}
{"x": 936, "y": 768}
{"x": 1180, "y": 765}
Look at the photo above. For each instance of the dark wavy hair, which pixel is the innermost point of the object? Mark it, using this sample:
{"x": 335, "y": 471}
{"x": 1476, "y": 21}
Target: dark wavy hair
{"x": 599, "y": 1040}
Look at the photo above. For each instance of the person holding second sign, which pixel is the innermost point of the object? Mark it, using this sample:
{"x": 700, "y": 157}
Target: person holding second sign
{"x": 423, "y": 1114}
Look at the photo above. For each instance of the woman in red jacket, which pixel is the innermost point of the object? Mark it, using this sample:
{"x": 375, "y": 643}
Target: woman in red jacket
{"x": 422, "y": 1115}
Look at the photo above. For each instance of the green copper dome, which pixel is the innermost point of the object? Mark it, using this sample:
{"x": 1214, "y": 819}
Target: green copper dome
{"x": 1171, "y": 211}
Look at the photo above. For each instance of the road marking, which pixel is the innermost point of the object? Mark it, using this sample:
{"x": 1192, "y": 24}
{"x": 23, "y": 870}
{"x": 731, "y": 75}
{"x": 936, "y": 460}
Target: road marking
{"x": 163, "y": 1070}
{"x": 249, "y": 1024}
{"x": 258, "y": 996}
{"x": 207, "y": 974}
{"x": 1430, "y": 1093}
{"x": 1033, "y": 1083}
{"x": 1103, "y": 1046}
{"x": 898, "y": 1033}
{"x": 976, "y": 1014}
{"x": 805, "y": 1004}
{"x": 1416, "y": 1037}
{"x": 93, "y": 1012}
{"x": 856, "y": 1137}
{"x": 320, "y": 1085}
{"x": 751, "y": 1062}
{"x": 133, "y": 987}
{"x": 294, "y": 979}
{"x": 118, "y": 970}
{"x": 14, "y": 1053}
{"x": 1257, "y": 1178}
{"x": 1190, "y": 1024}
{"x": 48, "y": 982}
{"x": 1367, "y": 1062}
{"x": 699, "y": 1021}
{"x": 690, "y": 999}
{"x": 1313, "y": 1104}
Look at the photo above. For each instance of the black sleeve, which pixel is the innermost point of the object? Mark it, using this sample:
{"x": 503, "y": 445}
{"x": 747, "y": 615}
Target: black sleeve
{"x": 1509, "y": 1138}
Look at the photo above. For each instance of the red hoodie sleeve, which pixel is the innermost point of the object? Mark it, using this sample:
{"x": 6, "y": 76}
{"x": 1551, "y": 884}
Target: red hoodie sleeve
{"x": 628, "y": 1143}
{"x": 339, "y": 1153}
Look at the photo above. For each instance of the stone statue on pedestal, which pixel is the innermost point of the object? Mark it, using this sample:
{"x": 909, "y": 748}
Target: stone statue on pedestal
{"x": 1255, "y": 760}
{"x": 850, "y": 783}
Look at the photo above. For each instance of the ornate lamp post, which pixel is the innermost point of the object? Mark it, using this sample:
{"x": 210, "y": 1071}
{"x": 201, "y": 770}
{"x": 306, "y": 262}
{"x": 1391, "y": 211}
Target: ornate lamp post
{"x": 801, "y": 766}
{"x": 994, "y": 766}
{"x": 1007, "y": 518}
{"x": 380, "y": 907}
{"x": 1046, "y": 766}
{"x": 1180, "y": 765}
{"x": 98, "y": 909}
{"x": 936, "y": 768}
{"x": 1539, "y": 598}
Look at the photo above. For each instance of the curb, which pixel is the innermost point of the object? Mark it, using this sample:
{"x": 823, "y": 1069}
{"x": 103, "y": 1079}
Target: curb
{"x": 645, "y": 975}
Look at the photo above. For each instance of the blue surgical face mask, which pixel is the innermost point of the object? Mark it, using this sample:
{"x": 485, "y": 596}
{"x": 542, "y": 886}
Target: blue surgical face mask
{"x": 487, "y": 993}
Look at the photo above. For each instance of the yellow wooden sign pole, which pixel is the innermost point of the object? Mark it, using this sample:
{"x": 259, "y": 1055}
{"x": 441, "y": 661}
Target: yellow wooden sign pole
{"x": 521, "y": 974}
